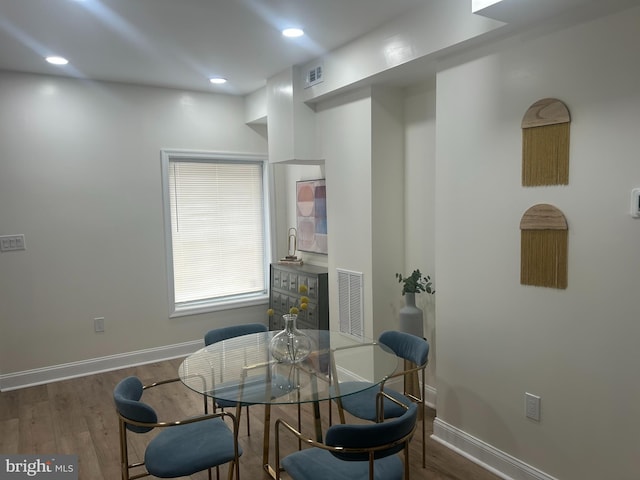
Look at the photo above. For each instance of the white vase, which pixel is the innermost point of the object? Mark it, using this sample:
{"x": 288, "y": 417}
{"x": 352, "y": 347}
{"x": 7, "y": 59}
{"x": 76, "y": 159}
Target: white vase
{"x": 411, "y": 317}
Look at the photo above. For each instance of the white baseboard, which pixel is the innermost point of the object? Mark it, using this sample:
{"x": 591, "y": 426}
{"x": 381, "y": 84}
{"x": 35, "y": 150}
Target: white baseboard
{"x": 38, "y": 376}
{"x": 430, "y": 396}
{"x": 498, "y": 462}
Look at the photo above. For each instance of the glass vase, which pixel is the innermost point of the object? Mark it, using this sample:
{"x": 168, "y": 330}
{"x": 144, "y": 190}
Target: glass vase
{"x": 290, "y": 345}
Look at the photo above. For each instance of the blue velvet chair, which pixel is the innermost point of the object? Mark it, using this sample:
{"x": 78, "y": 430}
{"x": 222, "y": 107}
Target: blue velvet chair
{"x": 224, "y": 333}
{"x": 368, "y": 405}
{"x": 182, "y": 447}
{"x": 352, "y": 452}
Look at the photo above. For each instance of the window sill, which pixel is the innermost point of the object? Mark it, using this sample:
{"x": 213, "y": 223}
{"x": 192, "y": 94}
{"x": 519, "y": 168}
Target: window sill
{"x": 196, "y": 308}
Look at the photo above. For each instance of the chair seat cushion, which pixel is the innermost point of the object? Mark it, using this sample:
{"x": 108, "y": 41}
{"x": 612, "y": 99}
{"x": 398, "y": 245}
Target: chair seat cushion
{"x": 363, "y": 403}
{"x": 317, "y": 464}
{"x": 186, "y": 449}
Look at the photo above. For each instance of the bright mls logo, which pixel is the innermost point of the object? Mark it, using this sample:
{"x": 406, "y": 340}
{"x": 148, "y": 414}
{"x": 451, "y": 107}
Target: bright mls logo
{"x": 52, "y": 467}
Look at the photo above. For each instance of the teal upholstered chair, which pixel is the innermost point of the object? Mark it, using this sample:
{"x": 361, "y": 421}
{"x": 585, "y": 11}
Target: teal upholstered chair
{"x": 224, "y": 333}
{"x": 352, "y": 452}
{"x": 182, "y": 447}
{"x": 367, "y": 404}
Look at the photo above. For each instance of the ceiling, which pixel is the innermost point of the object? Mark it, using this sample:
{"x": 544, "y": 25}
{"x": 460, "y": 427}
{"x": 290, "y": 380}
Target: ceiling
{"x": 181, "y": 43}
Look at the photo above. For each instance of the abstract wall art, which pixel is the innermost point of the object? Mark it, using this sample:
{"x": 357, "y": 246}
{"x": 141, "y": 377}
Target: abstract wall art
{"x": 311, "y": 214}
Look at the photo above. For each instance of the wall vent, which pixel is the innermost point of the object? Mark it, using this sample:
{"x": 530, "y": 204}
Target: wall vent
{"x": 313, "y": 76}
{"x": 350, "y": 302}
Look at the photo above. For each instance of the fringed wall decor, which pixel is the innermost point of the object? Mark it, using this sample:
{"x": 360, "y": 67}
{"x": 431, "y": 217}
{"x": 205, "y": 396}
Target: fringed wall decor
{"x": 543, "y": 255}
{"x": 545, "y": 144}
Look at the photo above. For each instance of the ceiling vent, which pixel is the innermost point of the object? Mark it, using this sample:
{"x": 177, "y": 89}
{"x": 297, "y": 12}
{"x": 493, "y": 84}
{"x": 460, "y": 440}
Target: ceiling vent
{"x": 313, "y": 76}
{"x": 350, "y": 302}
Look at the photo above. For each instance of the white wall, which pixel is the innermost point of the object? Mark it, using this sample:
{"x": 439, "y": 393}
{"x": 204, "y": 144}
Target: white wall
{"x": 419, "y": 34}
{"x": 419, "y": 203}
{"x": 388, "y": 216}
{"x": 80, "y": 178}
{"x": 344, "y": 125}
{"x": 576, "y": 348}
{"x": 362, "y": 139}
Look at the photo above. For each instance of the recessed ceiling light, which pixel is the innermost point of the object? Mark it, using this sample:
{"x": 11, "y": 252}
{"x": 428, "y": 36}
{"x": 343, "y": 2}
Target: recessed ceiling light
{"x": 57, "y": 60}
{"x": 292, "y": 32}
{"x": 218, "y": 80}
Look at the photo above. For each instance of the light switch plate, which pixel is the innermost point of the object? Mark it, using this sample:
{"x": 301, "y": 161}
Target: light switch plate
{"x": 9, "y": 243}
{"x": 635, "y": 203}
{"x": 532, "y": 406}
{"x": 98, "y": 324}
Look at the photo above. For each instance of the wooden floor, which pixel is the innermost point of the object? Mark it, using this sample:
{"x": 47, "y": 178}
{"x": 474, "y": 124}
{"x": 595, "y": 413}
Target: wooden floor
{"x": 77, "y": 417}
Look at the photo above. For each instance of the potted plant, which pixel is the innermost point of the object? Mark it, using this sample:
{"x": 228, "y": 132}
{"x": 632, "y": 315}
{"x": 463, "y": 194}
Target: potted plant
{"x": 415, "y": 283}
{"x": 411, "y": 317}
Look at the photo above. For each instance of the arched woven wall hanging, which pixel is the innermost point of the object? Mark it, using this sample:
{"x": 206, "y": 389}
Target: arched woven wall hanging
{"x": 543, "y": 248}
{"x": 545, "y": 143}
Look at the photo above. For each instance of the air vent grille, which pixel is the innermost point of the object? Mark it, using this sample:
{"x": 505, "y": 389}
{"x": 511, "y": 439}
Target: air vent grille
{"x": 313, "y": 76}
{"x": 350, "y": 302}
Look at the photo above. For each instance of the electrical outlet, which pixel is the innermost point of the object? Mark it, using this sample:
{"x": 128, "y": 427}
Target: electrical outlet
{"x": 532, "y": 406}
{"x": 98, "y": 324}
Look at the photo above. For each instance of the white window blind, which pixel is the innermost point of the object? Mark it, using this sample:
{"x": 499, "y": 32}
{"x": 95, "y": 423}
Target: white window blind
{"x": 216, "y": 209}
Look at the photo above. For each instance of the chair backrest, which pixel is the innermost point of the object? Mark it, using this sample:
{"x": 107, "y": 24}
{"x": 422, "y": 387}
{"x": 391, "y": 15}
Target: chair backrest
{"x": 126, "y": 396}
{"x": 407, "y": 346}
{"x": 219, "y": 334}
{"x": 373, "y": 435}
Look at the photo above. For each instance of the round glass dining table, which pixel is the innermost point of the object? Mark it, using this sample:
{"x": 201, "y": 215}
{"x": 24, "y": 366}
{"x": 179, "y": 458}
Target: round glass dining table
{"x": 242, "y": 370}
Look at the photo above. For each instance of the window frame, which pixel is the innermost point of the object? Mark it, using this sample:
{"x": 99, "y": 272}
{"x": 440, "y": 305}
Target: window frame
{"x": 237, "y": 301}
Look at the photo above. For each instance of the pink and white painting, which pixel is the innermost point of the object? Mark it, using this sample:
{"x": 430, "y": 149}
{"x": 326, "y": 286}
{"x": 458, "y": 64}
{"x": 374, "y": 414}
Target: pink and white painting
{"x": 311, "y": 213}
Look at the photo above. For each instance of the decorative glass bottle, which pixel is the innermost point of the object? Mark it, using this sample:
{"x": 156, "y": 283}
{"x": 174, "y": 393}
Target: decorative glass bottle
{"x": 290, "y": 345}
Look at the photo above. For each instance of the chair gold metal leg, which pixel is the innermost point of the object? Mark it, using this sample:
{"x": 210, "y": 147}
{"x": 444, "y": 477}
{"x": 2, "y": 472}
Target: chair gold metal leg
{"x": 232, "y": 468}
{"x": 317, "y": 421}
{"x": 265, "y": 442}
{"x": 406, "y": 461}
{"x": 422, "y": 410}
{"x": 124, "y": 454}
{"x": 299, "y": 424}
{"x": 239, "y": 412}
{"x": 340, "y": 411}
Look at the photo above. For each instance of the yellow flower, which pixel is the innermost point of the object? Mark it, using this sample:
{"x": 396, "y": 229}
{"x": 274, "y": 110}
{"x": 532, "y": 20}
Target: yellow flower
{"x": 303, "y": 302}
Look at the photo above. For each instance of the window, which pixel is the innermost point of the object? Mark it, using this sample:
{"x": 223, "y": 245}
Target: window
{"x": 216, "y": 230}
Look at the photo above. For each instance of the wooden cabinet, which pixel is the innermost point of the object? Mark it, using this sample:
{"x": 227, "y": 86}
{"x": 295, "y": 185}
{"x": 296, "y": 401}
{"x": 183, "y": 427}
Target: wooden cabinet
{"x": 283, "y": 294}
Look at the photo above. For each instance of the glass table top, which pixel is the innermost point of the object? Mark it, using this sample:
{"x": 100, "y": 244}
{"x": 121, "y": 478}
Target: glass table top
{"x": 242, "y": 370}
